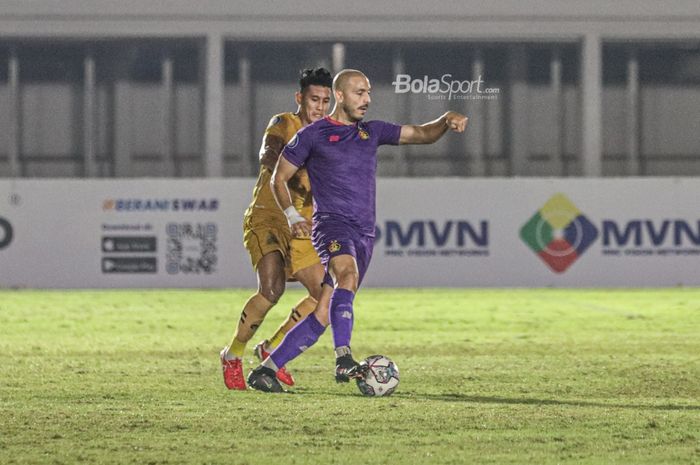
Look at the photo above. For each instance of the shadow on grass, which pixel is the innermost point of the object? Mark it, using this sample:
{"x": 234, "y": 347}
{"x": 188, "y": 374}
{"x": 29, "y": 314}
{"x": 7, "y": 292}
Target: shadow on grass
{"x": 456, "y": 397}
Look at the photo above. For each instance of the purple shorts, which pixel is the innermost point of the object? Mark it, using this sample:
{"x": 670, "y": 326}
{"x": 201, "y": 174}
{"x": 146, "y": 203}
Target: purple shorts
{"x": 332, "y": 237}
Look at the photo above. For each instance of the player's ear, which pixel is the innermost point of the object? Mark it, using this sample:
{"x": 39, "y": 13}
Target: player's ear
{"x": 338, "y": 94}
{"x": 297, "y": 97}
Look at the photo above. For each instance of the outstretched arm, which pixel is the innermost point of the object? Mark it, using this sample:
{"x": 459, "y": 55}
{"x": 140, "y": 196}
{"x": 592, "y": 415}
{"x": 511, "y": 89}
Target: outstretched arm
{"x": 430, "y": 132}
{"x": 284, "y": 171}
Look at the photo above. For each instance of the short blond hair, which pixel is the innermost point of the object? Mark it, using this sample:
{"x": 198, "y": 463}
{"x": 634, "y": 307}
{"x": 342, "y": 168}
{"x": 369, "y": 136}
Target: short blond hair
{"x": 344, "y": 76}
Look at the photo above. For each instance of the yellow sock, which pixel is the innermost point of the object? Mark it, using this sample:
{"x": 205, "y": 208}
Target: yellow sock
{"x": 304, "y": 307}
{"x": 252, "y": 316}
{"x": 276, "y": 339}
{"x": 237, "y": 348}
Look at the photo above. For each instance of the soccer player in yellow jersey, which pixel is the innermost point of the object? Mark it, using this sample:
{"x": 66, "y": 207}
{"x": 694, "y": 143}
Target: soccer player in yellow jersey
{"x": 275, "y": 254}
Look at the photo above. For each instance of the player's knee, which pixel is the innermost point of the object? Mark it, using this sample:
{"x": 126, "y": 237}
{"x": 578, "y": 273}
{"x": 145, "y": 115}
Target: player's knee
{"x": 348, "y": 279}
{"x": 345, "y": 273}
{"x": 272, "y": 291}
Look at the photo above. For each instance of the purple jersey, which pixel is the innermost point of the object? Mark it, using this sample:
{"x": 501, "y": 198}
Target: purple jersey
{"x": 341, "y": 160}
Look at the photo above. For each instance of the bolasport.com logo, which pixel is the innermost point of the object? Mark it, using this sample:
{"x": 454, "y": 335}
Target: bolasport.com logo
{"x": 559, "y": 233}
{"x": 446, "y": 87}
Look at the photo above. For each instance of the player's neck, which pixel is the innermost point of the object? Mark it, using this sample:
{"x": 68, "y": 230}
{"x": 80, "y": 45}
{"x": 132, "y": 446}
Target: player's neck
{"x": 300, "y": 115}
{"x": 340, "y": 116}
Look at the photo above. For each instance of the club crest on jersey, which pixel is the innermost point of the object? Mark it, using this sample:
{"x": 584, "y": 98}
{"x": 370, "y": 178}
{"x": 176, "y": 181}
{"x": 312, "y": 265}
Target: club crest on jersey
{"x": 364, "y": 135}
{"x": 334, "y": 247}
{"x": 275, "y": 120}
{"x": 293, "y": 143}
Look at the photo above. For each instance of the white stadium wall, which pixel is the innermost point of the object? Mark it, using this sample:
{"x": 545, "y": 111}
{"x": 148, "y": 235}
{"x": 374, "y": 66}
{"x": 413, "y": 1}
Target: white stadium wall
{"x": 432, "y": 232}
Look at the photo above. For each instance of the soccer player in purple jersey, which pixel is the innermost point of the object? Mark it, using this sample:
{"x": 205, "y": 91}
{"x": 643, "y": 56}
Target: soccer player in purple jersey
{"x": 340, "y": 155}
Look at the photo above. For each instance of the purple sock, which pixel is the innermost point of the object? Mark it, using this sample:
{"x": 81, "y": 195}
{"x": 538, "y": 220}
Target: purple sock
{"x": 301, "y": 337}
{"x": 341, "y": 316}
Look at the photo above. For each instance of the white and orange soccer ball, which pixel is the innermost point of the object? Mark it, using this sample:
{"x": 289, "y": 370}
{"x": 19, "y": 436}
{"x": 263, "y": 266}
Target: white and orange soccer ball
{"x": 381, "y": 378}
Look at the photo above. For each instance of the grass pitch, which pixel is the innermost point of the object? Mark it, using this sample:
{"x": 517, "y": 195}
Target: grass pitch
{"x": 487, "y": 376}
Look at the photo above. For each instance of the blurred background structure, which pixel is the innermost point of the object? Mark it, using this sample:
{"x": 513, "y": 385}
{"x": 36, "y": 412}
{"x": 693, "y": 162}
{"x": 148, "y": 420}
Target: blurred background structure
{"x": 97, "y": 88}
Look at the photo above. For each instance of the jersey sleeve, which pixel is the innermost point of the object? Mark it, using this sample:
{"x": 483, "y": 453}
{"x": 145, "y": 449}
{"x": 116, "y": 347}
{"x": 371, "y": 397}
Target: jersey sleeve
{"x": 277, "y": 127}
{"x": 298, "y": 149}
{"x": 388, "y": 133}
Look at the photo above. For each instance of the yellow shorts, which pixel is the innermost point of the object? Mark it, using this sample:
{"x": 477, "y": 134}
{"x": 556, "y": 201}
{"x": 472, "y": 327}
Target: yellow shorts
{"x": 262, "y": 239}
{"x": 302, "y": 254}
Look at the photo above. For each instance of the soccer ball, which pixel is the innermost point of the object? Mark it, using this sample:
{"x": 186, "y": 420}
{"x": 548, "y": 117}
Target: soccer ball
{"x": 382, "y": 377}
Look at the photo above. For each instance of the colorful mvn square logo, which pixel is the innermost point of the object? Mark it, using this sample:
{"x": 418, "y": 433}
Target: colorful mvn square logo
{"x": 559, "y": 233}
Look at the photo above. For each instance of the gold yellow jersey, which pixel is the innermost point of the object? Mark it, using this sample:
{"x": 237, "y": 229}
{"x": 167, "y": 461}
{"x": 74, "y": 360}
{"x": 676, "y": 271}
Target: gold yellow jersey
{"x": 264, "y": 208}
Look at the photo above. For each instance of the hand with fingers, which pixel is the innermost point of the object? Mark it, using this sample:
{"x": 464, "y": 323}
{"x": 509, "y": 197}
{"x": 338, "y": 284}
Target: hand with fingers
{"x": 300, "y": 226}
{"x": 456, "y": 121}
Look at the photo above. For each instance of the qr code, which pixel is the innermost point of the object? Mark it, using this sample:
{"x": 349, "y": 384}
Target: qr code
{"x": 191, "y": 248}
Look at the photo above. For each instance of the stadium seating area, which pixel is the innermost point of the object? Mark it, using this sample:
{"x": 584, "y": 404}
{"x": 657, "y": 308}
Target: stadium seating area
{"x": 104, "y": 91}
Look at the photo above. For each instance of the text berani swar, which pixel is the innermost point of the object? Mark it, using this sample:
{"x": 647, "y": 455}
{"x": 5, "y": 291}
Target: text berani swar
{"x": 433, "y": 238}
{"x": 154, "y": 205}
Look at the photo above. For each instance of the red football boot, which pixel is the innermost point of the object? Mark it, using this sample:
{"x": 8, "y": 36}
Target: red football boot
{"x": 282, "y": 374}
{"x": 233, "y": 372}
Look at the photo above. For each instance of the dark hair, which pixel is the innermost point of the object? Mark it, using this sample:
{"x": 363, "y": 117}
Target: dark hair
{"x": 315, "y": 77}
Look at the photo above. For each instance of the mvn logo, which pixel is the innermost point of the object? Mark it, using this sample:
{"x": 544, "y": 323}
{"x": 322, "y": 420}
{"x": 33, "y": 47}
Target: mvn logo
{"x": 434, "y": 233}
{"x": 559, "y": 233}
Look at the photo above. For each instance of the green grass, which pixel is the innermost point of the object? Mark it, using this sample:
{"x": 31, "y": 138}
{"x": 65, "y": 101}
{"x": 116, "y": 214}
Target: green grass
{"x": 488, "y": 376}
